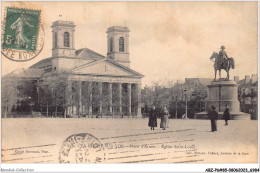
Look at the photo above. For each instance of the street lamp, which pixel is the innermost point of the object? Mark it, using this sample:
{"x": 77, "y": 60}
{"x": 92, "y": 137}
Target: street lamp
{"x": 244, "y": 96}
{"x": 186, "y": 107}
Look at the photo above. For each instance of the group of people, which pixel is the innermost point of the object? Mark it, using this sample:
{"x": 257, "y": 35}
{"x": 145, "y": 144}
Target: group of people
{"x": 213, "y": 116}
{"x": 153, "y": 118}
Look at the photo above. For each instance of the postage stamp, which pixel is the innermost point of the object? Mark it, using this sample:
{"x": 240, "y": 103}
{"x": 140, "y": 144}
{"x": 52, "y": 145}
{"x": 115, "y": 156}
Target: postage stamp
{"x": 82, "y": 148}
{"x": 23, "y": 35}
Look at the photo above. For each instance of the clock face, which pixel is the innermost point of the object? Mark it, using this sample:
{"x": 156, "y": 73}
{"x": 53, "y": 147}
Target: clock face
{"x": 66, "y": 52}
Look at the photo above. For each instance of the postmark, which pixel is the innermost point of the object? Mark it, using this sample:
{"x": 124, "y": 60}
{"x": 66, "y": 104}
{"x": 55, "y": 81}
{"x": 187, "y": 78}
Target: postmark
{"x": 82, "y": 148}
{"x": 22, "y": 34}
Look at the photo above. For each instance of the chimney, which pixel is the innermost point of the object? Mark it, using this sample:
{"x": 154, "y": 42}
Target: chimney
{"x": 236, "y": 79}
{"x": 253, "y": 78}
{"x": 247, "y": 79}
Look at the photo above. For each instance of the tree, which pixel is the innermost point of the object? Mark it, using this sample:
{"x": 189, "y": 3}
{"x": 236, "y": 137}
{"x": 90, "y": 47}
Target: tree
{"x": 177, "y": 96}
{"x": 53, "y": 92}
{"x": 198, "y": 95}
{"x": 173, "y": 95}
{"x": 153, "y": 95}
{"x": 157, "y": 95}
{"x": 45, "y": 94}
{"x": 9, "y": 95}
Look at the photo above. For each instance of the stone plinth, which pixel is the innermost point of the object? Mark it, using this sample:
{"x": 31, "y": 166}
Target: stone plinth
{"x": 221, "y": 93}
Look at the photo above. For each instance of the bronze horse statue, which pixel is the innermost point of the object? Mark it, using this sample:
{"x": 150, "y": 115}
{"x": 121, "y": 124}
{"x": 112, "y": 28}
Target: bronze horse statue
{"x": 219, "y": 64}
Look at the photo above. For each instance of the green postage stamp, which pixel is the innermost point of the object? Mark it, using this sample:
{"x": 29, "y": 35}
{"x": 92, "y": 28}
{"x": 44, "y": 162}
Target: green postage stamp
{"x": 23, "y": 34}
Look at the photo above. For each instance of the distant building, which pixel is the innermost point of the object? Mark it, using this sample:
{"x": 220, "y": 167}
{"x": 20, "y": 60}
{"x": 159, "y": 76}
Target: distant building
{"x": 247, "y": 89}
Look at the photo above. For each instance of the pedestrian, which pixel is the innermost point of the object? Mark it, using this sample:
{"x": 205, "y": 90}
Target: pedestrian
{"x": 213, "y": 116}
{"x": 152, "y": 118}
{"x": 226, "y": 115}
{"x": 164, "y": 118}
{"x": 167, "y": 118}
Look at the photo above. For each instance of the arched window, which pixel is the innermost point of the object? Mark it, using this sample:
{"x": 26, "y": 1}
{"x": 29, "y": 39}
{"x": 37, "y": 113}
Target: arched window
{"x": 66, "y": 39}
{"x": 121, "y": 44}
{"x": 111, "y": 44}
{"x": 55, "y": 40}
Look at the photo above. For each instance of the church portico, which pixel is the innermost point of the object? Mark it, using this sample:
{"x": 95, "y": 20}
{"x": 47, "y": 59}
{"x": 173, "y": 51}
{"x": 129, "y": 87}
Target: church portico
{"x": 95, "y": 98}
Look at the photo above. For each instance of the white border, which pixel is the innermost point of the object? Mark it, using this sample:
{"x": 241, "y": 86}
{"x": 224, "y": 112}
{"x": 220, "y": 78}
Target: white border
{"x": 124, "y": 167}
{"x": 129, "y": 167}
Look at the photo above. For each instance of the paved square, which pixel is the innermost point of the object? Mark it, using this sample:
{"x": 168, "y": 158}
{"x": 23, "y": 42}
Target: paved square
{"x": 130, "y": 141}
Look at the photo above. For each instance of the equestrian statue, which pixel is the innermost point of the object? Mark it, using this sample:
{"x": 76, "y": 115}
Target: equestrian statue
{"x": 222, "y": 61}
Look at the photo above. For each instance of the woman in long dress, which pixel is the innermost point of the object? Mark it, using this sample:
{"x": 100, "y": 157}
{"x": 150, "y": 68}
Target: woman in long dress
{"x": 152, "y": 118}
{"x": 164, "y": 119}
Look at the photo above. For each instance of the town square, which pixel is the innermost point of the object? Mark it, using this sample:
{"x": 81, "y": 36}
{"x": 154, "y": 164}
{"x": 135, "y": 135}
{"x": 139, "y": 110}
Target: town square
{"x": 131, "y": 141}
{"x": 104, "y": 82}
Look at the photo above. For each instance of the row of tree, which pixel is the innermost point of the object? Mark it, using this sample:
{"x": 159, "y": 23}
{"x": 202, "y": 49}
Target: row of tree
{"x": 175, "y": 96}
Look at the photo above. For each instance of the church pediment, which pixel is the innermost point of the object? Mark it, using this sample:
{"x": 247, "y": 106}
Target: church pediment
{"x": 105, "y": 68}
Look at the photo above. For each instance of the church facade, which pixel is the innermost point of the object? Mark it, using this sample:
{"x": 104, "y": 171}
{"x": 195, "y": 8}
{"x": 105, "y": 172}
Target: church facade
{"x": 95, "y": 84}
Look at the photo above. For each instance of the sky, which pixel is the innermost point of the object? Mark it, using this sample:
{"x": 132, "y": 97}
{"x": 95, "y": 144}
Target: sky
{"x": 169, "y": 41}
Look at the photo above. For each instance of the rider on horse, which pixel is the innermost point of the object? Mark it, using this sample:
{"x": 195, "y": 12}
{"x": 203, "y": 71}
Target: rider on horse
{"x": 222, "y": 61}
{"x": 222, "y": 55}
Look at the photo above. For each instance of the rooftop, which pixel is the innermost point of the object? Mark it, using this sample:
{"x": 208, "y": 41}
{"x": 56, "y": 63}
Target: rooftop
{"x": 118, "y": 29}
{"x": 31, "y": 73}
{"x": 88, "y": 54}
{"x": 63, "y": 23}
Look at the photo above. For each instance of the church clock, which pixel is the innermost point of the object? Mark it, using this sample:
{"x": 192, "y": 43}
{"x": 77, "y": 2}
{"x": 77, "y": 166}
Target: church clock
{"x": 66, "y": 52}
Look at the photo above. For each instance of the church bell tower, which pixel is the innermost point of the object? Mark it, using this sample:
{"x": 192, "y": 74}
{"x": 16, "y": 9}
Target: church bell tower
{"x": 63, "y": 39}
{"x": 118, "y": 45}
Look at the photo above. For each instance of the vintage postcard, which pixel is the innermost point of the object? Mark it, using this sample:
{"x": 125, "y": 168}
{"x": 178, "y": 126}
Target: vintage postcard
{"x": 129, "y": 82}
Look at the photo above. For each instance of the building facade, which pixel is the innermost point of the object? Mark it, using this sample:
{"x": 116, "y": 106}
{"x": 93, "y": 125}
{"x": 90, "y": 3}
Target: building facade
{"x": 95, "y": 84}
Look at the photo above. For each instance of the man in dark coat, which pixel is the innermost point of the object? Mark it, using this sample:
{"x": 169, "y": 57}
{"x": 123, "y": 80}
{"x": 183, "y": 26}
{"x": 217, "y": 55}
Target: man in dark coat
{"x": 226, "y": 115}
{"x": 152, "y": 118}
{"x": 213, "y": 116}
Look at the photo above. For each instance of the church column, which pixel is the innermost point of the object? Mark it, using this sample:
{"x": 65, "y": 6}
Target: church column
{"x": 100, "y": 97}
{"x": 115, "y": 45}
{"x": 138, "y": 88}
{"x": 53, "y": 39}
{"x": 79, "y": 99}
{"x": 108, "y": 44}
{"x": 120, "y": 98}
{"x": 129, "y": 98}
{"x": 110, "y": 98}
{"x": 89, "y": 99}
{"x": 126, "y": 44}
{"x": 68, "y": 99}
{"x": 73, "y": 39}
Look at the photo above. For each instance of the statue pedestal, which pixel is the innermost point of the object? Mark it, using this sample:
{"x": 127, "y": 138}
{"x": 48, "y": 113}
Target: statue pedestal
{"x": 221, "y": 93}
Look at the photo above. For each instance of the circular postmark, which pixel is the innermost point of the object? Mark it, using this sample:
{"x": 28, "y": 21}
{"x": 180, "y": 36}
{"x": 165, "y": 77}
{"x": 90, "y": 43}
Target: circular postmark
{"x": 82, "y": 148}
{"x": 22, "y": 34}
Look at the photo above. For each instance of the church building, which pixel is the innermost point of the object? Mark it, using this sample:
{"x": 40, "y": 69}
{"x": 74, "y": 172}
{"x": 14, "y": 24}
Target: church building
{"x": 96, "y": 84}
